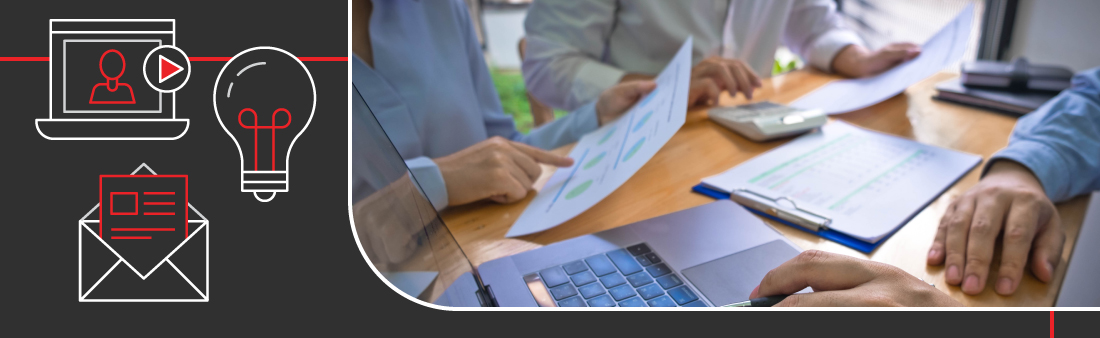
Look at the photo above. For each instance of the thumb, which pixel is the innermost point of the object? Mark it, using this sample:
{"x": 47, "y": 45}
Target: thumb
{"x": 641, "y": 88}
{"x": 1048, "y": 250}
{"x": 630, "y": 92}
{"x": 891, "y": 56}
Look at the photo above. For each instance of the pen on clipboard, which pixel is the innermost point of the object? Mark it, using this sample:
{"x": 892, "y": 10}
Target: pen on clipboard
{"x": 776, "y": 208}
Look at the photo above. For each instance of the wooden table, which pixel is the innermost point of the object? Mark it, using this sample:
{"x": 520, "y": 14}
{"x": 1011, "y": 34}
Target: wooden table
{"x": 701, "y": 148}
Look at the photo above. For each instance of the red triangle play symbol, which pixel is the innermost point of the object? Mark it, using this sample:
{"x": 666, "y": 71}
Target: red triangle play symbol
{"x": 168, "y": 69}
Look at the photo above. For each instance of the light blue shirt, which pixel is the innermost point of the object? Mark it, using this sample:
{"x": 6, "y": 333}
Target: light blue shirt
{"x": 1060, "y": 141}
{"x": 432, "y": 93}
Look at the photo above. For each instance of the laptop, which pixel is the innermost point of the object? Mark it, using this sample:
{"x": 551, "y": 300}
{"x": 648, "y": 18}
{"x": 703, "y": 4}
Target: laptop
{"x": 1079, "y": 286}
{"x": 97, "y": 88}
{"x": 711, "y": 255}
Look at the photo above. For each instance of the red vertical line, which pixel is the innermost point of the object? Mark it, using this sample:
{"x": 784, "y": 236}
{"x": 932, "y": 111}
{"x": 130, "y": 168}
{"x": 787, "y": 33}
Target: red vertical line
{"x": 273, "y": 138}
{"x": 101, "y": 206}
{"x": 186, "y": 209}
{"x": 255, "y": 147}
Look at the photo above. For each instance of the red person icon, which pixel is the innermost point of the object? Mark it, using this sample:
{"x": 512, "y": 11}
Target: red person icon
{"x": 107, "y": 92}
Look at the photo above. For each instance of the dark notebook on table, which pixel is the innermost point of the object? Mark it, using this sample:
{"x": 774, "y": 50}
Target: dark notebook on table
{"x": 1012, "y": 102}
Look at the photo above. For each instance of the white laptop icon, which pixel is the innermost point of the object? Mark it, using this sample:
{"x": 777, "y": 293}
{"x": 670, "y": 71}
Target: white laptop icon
{"x": 97, "y": 86}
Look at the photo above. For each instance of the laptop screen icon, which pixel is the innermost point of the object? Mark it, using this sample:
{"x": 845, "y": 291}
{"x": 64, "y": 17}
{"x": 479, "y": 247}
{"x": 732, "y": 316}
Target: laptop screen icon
{"x": 97, "y": 87}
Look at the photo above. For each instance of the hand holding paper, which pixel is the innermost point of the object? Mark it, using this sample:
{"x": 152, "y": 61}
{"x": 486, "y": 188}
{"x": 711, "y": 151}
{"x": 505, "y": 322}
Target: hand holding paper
{"x": 607, "y": 157}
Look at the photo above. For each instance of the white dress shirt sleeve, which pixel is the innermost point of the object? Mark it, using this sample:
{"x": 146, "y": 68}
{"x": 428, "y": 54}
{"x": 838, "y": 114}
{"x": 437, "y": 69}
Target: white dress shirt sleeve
{"x": 815, "y": 31}
{"x": 565, "y": 42}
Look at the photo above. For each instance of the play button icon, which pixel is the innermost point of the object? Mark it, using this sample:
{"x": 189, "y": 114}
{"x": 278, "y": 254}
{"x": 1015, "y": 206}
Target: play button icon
{"x": 169, "y": 70}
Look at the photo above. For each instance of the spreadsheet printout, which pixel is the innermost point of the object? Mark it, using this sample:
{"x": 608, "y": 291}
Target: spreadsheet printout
{"x": 867, "y": 183}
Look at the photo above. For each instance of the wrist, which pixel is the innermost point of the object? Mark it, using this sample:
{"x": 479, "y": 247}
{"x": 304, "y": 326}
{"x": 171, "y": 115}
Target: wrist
{"x": 850, "y": 60}
{"x": 445, "y": 182}
{"x": 1008, "y": 169}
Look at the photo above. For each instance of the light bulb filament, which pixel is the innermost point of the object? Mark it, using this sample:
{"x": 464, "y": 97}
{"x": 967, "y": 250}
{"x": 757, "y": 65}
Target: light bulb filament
{"x": 256, "y": 133}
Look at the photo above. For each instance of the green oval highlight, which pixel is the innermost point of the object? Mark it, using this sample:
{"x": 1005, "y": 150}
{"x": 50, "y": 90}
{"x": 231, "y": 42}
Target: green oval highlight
{"x": 578, "y": 190}
{"x": 594, "y": 161}
{"x": 642, "y": 122}
{"x": 606, "y": 136}
{"x": 634, "y": 149}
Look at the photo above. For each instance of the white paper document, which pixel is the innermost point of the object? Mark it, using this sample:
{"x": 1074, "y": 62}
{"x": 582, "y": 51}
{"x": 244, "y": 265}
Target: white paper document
{"x": 942, "y": 50}
{"x": 608, "y": 156}
{"x": 867, "y": 183}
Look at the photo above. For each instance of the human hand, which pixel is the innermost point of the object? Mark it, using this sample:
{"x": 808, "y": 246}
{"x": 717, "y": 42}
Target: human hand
{"x": 497, "y": 169}
{"x": 615, "y": 101}
{"x": 1008, "y": 198}
{"x": 714, "y": 74}
{"x": 857, "y": 61}
{"x": 839, "y": 280}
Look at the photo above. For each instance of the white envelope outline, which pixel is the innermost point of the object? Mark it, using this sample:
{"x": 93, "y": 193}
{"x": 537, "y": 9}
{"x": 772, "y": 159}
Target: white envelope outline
{"x": 83, "y": 226}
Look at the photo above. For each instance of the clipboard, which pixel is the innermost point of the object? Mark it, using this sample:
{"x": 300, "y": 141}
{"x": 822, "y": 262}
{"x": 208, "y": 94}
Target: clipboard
{"x": 793, "y": 216}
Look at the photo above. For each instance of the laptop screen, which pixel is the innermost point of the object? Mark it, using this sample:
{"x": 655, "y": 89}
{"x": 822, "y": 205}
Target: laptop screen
{"x": 87, "y": 65}
{"x": 400, "y": 231}
{"x": 96, "y": 69}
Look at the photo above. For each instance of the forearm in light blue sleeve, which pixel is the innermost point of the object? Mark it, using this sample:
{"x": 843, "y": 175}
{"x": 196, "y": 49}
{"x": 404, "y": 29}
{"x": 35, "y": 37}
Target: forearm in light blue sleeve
{"x": 427, "y": 175}
{"x": 565, "y": 130}
{"x": 1060, "y": 141}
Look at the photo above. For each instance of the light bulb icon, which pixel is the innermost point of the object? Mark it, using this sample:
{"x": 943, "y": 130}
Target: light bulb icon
{"x": 264, "y": 99}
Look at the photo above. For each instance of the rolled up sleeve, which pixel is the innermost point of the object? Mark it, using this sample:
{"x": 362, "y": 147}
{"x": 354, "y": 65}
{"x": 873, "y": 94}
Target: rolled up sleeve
{"x": 565, "y": 42}
{"x": 1060, "y": 141}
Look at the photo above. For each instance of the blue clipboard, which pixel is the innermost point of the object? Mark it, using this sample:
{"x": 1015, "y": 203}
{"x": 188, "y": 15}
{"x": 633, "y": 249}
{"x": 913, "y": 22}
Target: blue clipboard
{"x": 829, "y": 234}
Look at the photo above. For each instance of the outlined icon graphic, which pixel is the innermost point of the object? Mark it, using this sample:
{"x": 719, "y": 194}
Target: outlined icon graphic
{"x": 95, "y": 94}
{"x": 166, "y": 69}
{"x": 111, "y": 91}
{"x": 264, "y": 98}
{"x": 144, "y": 222}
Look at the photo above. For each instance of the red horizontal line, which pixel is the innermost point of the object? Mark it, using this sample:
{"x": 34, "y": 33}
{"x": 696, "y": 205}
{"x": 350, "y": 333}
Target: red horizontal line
{"x": 131, "y": 237}
{"x": 193, "y": 58}
{"x": 158, "y": 213}
{"x": 159, "y": 193}
{"x": 158, "y": 203}
{"x": 24, "y": 58}
{"x": 323, "y": 58}
{"x": 303, "y": 58}
{"x": 208, "y": 58}
{"x": 143, "y": 229}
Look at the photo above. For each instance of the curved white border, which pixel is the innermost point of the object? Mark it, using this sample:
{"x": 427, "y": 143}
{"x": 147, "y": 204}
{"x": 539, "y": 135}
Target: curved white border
{"x": 312, "y": 110}
{"x": 145, "y": 64}
{"x": 351, "y": 221}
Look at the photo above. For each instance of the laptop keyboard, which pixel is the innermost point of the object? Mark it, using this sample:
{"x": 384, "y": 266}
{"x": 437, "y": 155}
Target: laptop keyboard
{"x": 631, "y": 277}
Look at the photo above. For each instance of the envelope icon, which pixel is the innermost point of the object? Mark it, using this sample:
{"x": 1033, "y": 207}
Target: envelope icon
{"x": 127, "y": 253}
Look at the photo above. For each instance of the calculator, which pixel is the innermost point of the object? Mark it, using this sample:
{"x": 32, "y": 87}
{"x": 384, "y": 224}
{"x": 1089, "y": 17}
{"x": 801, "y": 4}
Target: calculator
{"x": 767, "y": 120}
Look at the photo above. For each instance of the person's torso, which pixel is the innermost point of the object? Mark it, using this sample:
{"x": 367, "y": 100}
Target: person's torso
{"x": 421, "y": 86}
{"x": 647, "y": 33}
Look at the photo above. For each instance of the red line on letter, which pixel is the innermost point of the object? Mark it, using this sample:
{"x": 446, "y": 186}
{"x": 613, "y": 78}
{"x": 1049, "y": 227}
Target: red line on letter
{"x": 143, "y": 229}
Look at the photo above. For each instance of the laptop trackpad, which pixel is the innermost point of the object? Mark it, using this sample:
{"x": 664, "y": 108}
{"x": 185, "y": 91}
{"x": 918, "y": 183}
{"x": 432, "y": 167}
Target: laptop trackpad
{"x": 730, "y": 279}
